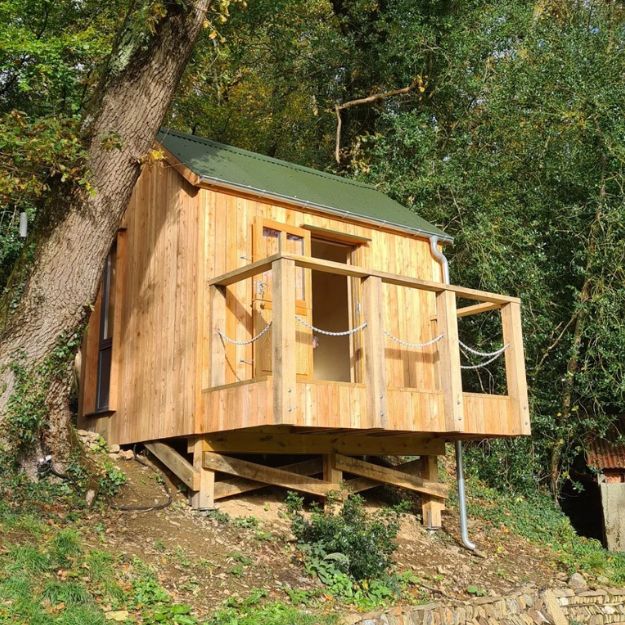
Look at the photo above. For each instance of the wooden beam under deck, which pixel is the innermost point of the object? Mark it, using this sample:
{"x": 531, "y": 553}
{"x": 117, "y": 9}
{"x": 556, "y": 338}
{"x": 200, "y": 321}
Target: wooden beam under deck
{"x": 237, "y": 485}
{"x": 267, "y": 475}
{"x": 275, "y": 440}
{"x": 176, "y": 463}
{"x": 386, "y": 475}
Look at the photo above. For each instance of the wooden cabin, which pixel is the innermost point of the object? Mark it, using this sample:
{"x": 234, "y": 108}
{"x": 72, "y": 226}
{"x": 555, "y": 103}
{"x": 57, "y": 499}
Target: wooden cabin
{"x": 201, "y": 342}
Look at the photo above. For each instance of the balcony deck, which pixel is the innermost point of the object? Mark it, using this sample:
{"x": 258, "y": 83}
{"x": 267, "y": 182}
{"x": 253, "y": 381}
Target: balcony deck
{"x": 369, "y": 404}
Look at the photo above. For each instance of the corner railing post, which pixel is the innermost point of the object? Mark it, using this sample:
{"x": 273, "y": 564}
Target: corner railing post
{"x": 515, "y": 364}
{"x": 375, "y": 364}
{"x": 283, "y": 342}
{"x": 449, "y": 361}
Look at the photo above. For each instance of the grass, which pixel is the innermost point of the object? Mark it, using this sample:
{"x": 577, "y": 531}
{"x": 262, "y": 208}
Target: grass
{"x": 540, "y": 521}
{"x": 49, "y": 576}
{"x": 253, "y": 611}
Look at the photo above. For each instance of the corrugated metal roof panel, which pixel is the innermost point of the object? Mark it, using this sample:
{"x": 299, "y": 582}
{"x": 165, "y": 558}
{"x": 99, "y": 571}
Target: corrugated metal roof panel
{"x": 270, "y": 176}
{"x": 602, "y": 454}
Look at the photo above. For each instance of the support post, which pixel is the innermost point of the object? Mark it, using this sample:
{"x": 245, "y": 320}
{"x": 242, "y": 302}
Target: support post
{"x": 432, "y": 507}
{"x": 515, "y": 365}
{"x": 331, "y": 474}
{"x": 204, "y": 498}
{"x": 375, "y": 374}
{"x": 449, "y": 361}
{"x": 284, "y": 365}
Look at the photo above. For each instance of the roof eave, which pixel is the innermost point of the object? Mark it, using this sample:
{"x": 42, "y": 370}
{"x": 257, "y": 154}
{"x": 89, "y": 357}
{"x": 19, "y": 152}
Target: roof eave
{"x": 445, "y": 238}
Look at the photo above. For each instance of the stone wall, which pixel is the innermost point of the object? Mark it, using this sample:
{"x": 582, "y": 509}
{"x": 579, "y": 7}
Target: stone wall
{"x": 562, "y": 606}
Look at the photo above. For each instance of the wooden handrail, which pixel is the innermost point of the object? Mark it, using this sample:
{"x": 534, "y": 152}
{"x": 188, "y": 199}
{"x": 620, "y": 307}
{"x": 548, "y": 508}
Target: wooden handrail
{"x": 284, "y": 341}
{"x": 247, "y": 271}
{"x": 476, "y": 309}
{"x": 342, "y": 269}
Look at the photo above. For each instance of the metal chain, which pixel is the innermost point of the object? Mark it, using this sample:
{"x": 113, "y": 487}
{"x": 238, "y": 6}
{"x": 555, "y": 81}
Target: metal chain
{"x": 436, "y": 339}
{"x": 497, "y": 352}
{"x": 248, "y": 341}
{"x": 492, "y": 356}
{"x": 305, "y": 323}
{"x": 482, "y": 364}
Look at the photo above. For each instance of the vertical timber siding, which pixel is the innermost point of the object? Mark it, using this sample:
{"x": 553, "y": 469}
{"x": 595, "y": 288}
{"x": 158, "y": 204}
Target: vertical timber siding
{"x": 157, "y": 333}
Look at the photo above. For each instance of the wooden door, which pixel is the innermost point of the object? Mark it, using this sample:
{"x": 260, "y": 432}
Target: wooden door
{"x": 271, "y": 237}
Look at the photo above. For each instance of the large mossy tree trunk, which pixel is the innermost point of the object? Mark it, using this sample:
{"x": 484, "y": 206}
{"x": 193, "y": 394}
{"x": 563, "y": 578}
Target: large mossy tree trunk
{"x": 40, "y": 327}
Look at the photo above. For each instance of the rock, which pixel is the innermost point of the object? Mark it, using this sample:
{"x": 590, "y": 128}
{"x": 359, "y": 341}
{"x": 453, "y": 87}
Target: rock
{"x": 126, "y": 454}
{"x": 87, "y": 435}
{"x": 117, "y": 615}
{"x": 603, "y": 581}
{"x": 114, "y": 449}
{"x": 89, "y": 497}
{"x": 577, "y": 582}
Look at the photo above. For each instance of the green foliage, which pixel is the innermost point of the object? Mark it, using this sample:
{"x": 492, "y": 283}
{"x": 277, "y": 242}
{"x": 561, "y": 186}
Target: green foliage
{"x": 351, "y": 541}
{"x": 513, "y": 142}
{"x": 476, "y": 591}
{"x": 251, "y": 611}
{"x": 112, "y": 480}
{"x": 540, "y": 521}
{"x": 247, "y": 522}
{"x": 350, "y": 551}
{"x": 50, "y": 56}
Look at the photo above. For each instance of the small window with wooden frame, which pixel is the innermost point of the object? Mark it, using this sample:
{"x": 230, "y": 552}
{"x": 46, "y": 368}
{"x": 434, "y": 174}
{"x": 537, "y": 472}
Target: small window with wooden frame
{"x": 107, "y": 325}
{"x": 100, "y": 352}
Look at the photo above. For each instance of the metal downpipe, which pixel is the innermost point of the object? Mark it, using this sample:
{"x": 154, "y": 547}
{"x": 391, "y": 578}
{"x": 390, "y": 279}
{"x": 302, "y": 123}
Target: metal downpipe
{"x": 462, "y": 500}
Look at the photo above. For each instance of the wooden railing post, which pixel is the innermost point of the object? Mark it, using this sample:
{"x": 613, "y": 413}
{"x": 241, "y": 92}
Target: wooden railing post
{"x": 449, "y": 361}
{"x": 283, "y": 343}
{"x": 375, "y": 364}
{"x": 515, "y": 365}
{"x": 218, "y": 322}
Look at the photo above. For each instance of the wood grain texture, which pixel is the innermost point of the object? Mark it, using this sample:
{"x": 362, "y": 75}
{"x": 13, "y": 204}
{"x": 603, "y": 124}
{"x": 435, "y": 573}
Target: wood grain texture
{"x": 449, "y": 361}
{"x": 176, "y": 378}
{"x": 282, "y": 440}
{"x": 158, "y": 321}
{"x": 266, "y": 475}
{"x": 237, "y": 485}
{"x": 176, "y": 463}
{"x": 386, "y": 475}
{"x": 515, "y": 366}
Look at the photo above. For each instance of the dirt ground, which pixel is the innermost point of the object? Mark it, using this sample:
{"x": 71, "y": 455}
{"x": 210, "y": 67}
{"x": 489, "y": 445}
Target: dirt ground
{"x": 204, "y": 561}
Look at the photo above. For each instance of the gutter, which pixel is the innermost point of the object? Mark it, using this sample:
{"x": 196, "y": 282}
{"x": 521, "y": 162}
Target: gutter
{"x": 462, "y": 500}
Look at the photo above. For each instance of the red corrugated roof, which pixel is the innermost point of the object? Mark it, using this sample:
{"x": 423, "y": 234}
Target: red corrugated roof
{"x": 601, "y": 454}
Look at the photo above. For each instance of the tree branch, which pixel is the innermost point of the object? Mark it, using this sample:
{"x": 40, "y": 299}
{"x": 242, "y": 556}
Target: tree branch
{"x": 376, "y": 97}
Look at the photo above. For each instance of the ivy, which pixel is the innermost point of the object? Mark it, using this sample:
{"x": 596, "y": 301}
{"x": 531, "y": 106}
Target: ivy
{"x": 25, "y": 419}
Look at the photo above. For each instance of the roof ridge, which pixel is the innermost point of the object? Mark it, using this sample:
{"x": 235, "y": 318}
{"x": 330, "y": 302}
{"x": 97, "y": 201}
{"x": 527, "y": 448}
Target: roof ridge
{"x": 265, "y": 158}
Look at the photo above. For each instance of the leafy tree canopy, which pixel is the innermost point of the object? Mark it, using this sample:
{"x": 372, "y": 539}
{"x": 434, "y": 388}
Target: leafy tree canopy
{"x": 512, "y": 137}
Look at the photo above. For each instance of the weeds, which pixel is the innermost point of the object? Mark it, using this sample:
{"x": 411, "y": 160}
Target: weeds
{"x": 350, "y": 551}
{"x": 540, "y": 521}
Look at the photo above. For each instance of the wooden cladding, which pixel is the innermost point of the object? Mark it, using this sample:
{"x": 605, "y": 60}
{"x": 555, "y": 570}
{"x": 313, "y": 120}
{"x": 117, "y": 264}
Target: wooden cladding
{"x": 189, "y": 263}
{"x": 377, "y": 402}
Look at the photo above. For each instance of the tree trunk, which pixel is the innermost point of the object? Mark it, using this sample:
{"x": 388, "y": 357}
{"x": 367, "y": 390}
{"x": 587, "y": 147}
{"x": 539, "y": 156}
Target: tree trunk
{"x": 43, "y": 330}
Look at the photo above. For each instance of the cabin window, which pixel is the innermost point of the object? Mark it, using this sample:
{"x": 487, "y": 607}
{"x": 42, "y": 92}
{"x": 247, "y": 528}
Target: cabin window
{"x": 107, "y": 315}
{"x": 275, "y": 240}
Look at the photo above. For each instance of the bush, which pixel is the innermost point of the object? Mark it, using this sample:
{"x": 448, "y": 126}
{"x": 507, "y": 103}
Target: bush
{"x": 348, "y": 541}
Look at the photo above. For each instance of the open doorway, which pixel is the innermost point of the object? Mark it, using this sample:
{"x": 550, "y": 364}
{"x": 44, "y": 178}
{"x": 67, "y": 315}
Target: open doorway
{"x": 330, "y": 311}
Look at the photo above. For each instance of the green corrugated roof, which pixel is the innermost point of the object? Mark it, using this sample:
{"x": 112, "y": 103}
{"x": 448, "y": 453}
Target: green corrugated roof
{"x": 214, "y": 161}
